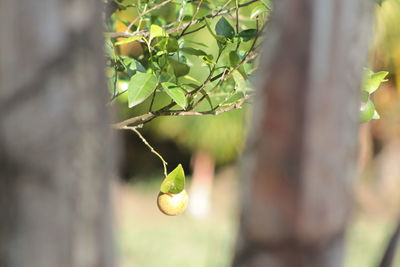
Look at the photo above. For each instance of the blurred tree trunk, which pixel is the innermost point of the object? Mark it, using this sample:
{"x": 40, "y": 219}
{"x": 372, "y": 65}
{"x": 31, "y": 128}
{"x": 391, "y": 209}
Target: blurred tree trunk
{"x": 55, "y": 144}
{"x": 297, "y": 176}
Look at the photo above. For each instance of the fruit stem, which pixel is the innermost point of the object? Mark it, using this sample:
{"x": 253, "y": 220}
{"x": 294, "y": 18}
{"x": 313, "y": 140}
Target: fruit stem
{"x": 150, "y": 147}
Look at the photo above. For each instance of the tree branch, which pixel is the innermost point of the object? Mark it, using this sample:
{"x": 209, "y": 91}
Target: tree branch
{"x": 181, "y": 27}
{"x": 135, "y": 121}
{"x": 152, "y": 150}
{"x": 146, "y": 12}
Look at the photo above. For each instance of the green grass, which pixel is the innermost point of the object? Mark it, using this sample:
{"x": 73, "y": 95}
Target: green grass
{"x": 366, "y": 241}
{"x": 148, "y": 238}
{"x": 180, "y": 242}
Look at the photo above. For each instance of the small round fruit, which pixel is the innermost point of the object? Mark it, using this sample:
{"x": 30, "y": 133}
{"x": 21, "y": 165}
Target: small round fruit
{"x": 367, "y": 110}
{"x": 172, "y": 204}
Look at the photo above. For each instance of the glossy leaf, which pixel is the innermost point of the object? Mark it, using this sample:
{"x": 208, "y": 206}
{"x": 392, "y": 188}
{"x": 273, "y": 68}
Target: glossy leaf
{"x": 128, "y": 40}
{"x": 196, "y": 43}
{"x": 267, "y": 4}
{"x": 141, "y": 86}
{"x": 234, "y": 58}
{"x": 248, "y": 34}
{"x": 191, "y": 79}
{"x": 174, "y": 183}
{"x": 234, "y": 98}
{"x": 208, "y": 98}
{"x": 374, "y": 80}
{"x": 224, "y": 28}
{"x": 176, "y": 93}
{"x": 239, "y": 80}
{"x": 172, "y": 45}
{"x": 139, "y": 66}
{"x": 193, "y": 51}
{"x": 156, "y": 31}
{"x": 180, "y": 69}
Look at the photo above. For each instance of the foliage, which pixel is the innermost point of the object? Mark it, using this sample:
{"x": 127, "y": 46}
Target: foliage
{"x": 165, "y": 70}
{"x": 372, "y": 82}
{"x": 177, "y": 71}
{"x": 163, "y": 79}
{"x": 174, "y": 183}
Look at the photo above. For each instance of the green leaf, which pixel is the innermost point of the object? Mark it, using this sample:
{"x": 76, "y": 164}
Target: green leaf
{"x": 165, "y": 44}
{"x": 239, "y": 80}
{"x": 193, "y": 51}
{"x": 204, "y": 93}
{"x": 176, "y": 93}
{"x": 141, "y": 86}
{"x": 156, "y": 31}
{"x": 180, "y": 69}
{"x": 374, "y": 80}
{"x": 257, "y": 11}
{"x": 139, "y": 66}
{"x": 208, "y": 60}
{"x": 267, "y": 4}
{"x": 128, "y": 40}
{"x": 234, "y": 58}
{"x": 122, "y": 86}
{"x": 174, "y": 183}
{"x": 191, "y": 79}
{"x": 248, "y": 34}
{"x": 197, "y": 43}
{"x": 224, "y": 28}
{"x": 234, "y": 98}
{"x": 172, "y": 45}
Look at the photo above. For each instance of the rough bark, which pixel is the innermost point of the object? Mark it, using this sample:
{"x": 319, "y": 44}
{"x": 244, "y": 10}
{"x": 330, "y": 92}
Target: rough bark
{"x": 297, "y": 178}
{"x": 55, "y": 144}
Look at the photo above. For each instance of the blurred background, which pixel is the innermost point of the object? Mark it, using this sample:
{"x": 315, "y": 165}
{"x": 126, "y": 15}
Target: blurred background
{"x": 209, "y": 148}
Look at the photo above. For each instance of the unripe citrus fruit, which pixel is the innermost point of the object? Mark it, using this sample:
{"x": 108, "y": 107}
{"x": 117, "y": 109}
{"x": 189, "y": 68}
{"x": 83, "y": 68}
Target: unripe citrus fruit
{"x": 367, "y": 110}
{"x": 172, "y": 204}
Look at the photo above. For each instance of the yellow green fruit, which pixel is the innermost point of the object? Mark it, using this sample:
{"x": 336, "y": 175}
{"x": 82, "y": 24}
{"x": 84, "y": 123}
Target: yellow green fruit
{"x": 172, "y": 204}
{"x": 367, "y": 110}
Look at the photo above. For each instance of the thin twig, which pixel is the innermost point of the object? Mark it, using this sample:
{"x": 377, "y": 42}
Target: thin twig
{"x": 164, "y": 111}
{"x": 146, "y": 12}
{"x": 140, "y": 20}
{"x": 225, "y": 74}
{"x": 138, "y": 120}
{"x": 180, "y": 17}
{"x": 236, "y": 105}
{"x": 135, "y": 121}
{"x": 173, "y": 30}
{"x": 191, "y": 21}
{"x": 237, "y": 22}
{"x": 192, "y": 31}
{"x": 149, "y": 146}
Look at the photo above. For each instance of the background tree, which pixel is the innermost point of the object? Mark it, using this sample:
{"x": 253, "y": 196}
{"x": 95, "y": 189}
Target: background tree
{"x": 297, "y": 183}
{"x": 55, "y": 146}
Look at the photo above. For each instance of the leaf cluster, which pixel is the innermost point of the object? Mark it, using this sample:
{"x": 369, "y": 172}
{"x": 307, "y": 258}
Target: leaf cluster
{"x": 372, "y": 81}
{"x": 167, "y": 67}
